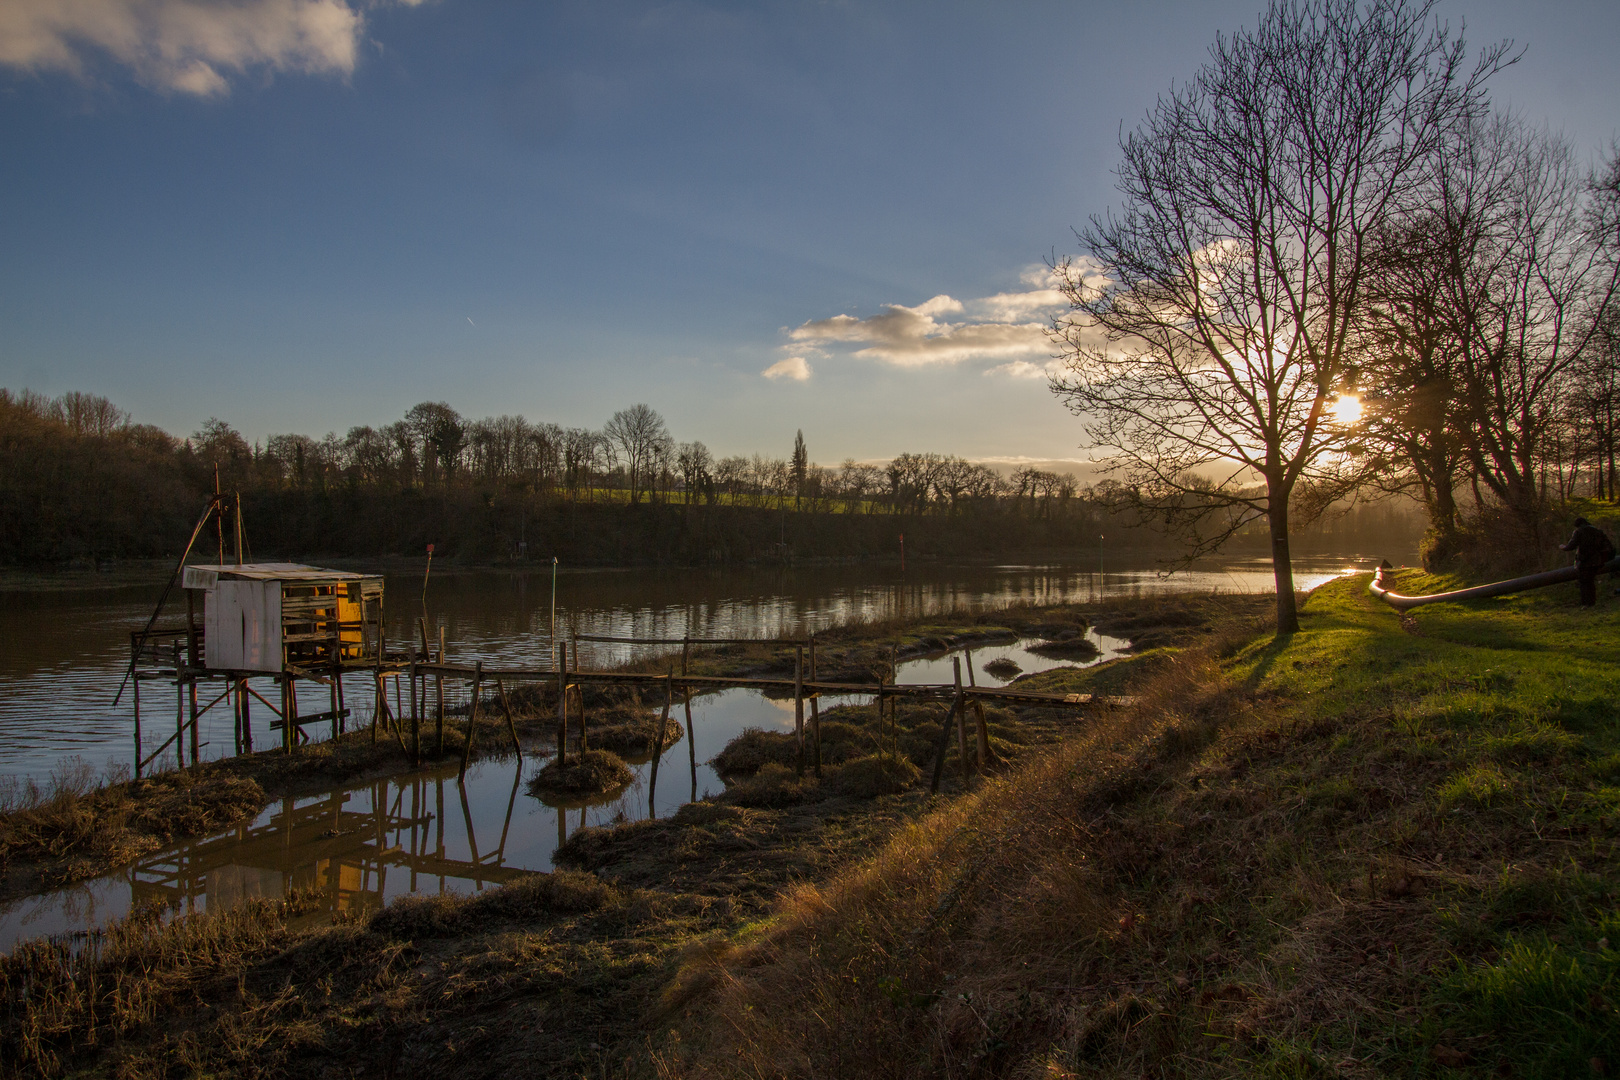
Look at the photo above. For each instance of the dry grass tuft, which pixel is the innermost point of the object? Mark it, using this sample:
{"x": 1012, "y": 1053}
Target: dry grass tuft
{"x": 877, "y": 774}
{"x": 589, "y": 772}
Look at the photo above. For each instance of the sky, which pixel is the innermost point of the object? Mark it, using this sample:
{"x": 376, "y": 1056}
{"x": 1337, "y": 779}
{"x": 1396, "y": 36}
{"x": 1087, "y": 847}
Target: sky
{"x": 305, "y": 215}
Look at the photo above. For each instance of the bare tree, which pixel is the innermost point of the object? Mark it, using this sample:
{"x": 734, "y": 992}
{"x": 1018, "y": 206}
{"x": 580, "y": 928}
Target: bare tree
{"x": 1216, "y": 318}
{"x": 638, "y": 436}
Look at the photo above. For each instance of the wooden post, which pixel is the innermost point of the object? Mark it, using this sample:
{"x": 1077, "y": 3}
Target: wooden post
{"x": 658, "y": 746}
{"x": 191, "y": 629}
{"x": 686, "y": 703}
{"x": 416, "y": 721}
{"x": 438, "y": 684}
{"x": 196, "y": 744}
{"x": 337, "y": 683}
{"x": 961, "y": 717}
{"x": 815, "y": 707}
{"x": 472, "y": 718}
{"x": 561, "y": 663}
{"x": 179, "y": 717}
{"x": 137, "y": 692}
{"x": 236, "y": 716}
{"x": 511, "y": 725}
{"x": 286, "y": 715}
{"x": 426, "y": 652}
{"x": 944, "y": 745}
{"x": 986, "y": 754}
{"x": 798, "y": 702}
{"x": 291, "y": 717}
{"x": 247, "y": 718}
{"x": 332, "y": 692}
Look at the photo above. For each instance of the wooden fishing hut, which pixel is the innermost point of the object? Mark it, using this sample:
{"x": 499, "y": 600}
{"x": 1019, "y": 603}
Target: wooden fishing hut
{"x": 283, "y": 621}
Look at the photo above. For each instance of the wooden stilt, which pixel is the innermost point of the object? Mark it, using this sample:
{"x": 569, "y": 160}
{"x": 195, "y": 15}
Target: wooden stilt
{"x": 332, "y": 692}
{"x": 798, "y": 703}
{"x": 247, "y": 717}
{"x": 815, "y": 708}
{"x": 137, "y": 692}
{"x": 511, "y": 724}
{"x": 561, "y": 662}
{"x": 416, "y": 721}
{"x": 944, "y": 744}
{"x": 961, "y": 718}
{"x": 438, "y": 683}
{"x": 472, "y": 719}
{"x": 343, "y": 712}
{"x": 987, "y": 756}
{"x": 196, "y": 743}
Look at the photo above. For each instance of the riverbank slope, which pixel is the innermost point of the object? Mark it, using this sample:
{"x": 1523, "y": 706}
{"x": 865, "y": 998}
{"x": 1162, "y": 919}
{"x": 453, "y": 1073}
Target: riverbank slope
{"x": 1382, "y": 846}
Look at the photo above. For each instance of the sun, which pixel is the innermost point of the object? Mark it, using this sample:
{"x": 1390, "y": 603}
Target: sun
{"x": 1347, "y": 409}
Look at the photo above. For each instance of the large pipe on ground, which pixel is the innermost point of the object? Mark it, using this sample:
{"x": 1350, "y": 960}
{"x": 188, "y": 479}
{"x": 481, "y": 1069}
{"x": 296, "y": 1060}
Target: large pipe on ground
{"x": 1380, "y": 586}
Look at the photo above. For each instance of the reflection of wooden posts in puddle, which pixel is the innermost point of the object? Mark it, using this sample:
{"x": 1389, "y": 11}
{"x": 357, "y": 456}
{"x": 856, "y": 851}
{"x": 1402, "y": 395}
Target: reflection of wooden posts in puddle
{"x": 329, "y": 845}
{"x": 658, "y": 746}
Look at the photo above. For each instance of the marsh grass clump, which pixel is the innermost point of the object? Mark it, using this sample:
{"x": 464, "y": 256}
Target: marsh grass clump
{"x": 754, "y": 749}
{"x": 773, "y": 785}
{"x": 588, "y": 772}
{"x": 1073, "y": 648}
{"x": 874, "y": 775}
{"x": 633, "y": 733}
{"x": 529, "y": 899}
{"x": 1003, "y": 668}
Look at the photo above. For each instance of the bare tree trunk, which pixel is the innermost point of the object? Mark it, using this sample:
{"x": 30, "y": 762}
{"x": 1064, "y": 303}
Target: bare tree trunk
{"x": 1282, "y": 567}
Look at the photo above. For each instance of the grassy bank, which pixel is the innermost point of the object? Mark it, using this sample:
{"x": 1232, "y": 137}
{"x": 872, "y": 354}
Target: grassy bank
{"x": 1381, "y": 847}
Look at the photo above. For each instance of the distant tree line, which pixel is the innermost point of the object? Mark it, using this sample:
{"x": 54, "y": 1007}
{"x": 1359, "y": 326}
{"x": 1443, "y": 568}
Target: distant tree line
{"x": 79, "y": 479}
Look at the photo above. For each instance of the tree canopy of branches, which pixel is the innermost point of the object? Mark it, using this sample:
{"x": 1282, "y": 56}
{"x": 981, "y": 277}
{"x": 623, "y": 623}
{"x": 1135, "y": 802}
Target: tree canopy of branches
{"x": 1218, "y": 312}
{"x": 640, "y": 438}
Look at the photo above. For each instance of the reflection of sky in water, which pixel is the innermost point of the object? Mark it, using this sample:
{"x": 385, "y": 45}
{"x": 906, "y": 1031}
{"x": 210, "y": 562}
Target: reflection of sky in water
{"x": 367, "y": 844}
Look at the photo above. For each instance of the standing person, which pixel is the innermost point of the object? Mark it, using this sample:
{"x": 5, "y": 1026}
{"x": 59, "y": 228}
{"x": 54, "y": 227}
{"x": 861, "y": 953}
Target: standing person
{"x": 1593, "y": 550}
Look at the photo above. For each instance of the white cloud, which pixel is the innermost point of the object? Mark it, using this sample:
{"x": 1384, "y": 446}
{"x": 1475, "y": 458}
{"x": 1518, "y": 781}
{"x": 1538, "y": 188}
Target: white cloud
{"x": 1023, "y": 369}
{"x": 185, "y": 46}
{"x": 1008, "y": 326}
{"x": 796, "y": 368}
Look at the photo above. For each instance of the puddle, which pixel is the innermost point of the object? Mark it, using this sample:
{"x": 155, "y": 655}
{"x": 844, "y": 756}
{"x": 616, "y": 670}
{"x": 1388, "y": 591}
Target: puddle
{"x": 363, "y": 845}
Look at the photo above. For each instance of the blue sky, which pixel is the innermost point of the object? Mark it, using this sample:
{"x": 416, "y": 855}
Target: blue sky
{"x": 299, "y": 215}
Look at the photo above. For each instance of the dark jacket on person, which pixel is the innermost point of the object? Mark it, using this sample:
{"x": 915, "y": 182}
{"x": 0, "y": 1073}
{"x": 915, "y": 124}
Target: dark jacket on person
{"x": 1591, "y": 546}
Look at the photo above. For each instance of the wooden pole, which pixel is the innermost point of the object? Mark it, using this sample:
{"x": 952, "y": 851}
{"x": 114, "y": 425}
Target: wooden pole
{"x": 560, "y": 660}
{"x": 416, "y": 721}
{"x": 286, "y": 715}
{"x": 196, "y": 743}
{"x": 798, "y": 703}
{"x": 332, "y": 692}
{"x": 815, "y": 708}
{"x": 961, "y": 717}
{"x": 179, "y": 719}
{"x": 337, "y": 683}
{"x": 658, "y": 747}
{"x": 291, "y": 717}
{"x": 472, "y": 719}
{"x": 137, "y": 690}
{"x": 511, "y": 724}
{"x": 236, "y": 716}
{"x": 438, "y": 684}
{"x": 247, "y": 717}
{"x": 986, "y": 754}
{"x": 944, "y": 745}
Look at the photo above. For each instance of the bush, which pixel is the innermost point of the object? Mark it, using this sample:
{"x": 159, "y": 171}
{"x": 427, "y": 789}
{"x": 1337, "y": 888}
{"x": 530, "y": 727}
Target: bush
{"x": 754, "y": 749}
{"x": 772, "y": 786}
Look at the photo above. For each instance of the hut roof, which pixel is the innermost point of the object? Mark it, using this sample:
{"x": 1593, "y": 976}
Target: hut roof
{"x": 204, "y": 577}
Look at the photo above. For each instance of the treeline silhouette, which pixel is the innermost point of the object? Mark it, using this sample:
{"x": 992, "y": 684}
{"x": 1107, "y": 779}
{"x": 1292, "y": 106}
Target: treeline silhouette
{"x": 80, "y": 481}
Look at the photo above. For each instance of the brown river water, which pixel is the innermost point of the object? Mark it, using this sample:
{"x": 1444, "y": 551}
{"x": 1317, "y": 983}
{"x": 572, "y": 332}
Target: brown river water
{"x": 422, "y": 831}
